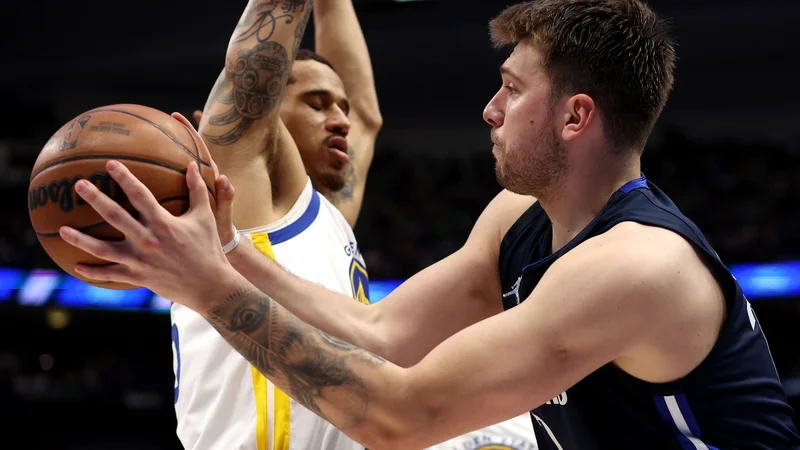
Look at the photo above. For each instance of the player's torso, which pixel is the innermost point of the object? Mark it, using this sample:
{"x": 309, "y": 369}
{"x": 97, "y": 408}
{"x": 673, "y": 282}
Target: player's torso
{"x": 732, "y": 400}
{"x": 221, "y": 401}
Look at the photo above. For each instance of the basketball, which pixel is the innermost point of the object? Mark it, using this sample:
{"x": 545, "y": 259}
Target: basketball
{"x": 153, "y": 145}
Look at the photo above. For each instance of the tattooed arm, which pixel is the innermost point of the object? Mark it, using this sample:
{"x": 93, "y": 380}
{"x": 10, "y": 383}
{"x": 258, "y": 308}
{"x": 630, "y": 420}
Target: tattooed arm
{"x": 339, "y": 39}
{"x": 241, "y": 122}
{"x": 491, "y": 371}
{"x": 431, "y": 306}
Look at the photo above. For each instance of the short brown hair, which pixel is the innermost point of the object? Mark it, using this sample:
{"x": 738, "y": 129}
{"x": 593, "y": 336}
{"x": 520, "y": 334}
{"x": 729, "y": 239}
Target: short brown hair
{"x": 616, "y": 51}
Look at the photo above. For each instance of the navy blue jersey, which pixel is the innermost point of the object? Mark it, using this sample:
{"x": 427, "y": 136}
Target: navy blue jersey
{"x": 732, "y": 400}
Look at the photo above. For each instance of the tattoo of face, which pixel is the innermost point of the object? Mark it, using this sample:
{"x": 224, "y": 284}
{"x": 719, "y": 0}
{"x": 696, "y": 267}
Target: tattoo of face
{"x": 258, "y": 74}
{"x": 305, "y": 362}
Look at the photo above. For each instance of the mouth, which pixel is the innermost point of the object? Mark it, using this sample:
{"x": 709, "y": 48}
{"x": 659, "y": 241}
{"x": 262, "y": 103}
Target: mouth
{"x": 338, "y": 147}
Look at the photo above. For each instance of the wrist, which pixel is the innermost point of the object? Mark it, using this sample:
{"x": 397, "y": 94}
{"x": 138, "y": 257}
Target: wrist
{"x": 226, "y": 284}
{"x": 229, "y": 239}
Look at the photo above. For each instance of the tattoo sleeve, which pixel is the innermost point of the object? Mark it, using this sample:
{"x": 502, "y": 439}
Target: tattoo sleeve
{"x": 316, "y": 369}
{"x": 257, "y": 66}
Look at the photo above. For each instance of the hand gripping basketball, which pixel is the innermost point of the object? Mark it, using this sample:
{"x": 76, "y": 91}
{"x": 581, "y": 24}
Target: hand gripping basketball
{"x": 224, "y": 207}
{"x": 176, "y": 257}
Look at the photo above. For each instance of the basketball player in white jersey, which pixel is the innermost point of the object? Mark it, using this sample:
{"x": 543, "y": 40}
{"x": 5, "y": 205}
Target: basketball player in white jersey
{"x": 221, "y": 401}
{"x": 330, "y": 97}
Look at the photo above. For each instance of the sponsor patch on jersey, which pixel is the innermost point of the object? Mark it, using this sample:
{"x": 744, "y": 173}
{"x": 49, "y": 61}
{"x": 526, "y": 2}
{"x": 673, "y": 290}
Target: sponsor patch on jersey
{"x": 487, "y": 442}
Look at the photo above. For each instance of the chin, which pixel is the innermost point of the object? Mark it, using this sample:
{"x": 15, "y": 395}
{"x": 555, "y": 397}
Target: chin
{"x": 329, "y": 181}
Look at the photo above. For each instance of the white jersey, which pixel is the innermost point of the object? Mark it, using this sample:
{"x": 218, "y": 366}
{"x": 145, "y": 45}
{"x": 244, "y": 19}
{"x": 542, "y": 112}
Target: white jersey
{"x": 221, "y": 401}
{"x": 513, "y": 434}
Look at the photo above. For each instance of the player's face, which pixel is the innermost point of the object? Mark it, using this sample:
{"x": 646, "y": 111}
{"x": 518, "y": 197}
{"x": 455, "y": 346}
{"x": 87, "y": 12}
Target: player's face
{"x": 315, "y": 110}
{"x": 530, "y": 157}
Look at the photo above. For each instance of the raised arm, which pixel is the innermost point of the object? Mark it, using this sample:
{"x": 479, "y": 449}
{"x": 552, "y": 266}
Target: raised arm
{"x": 338, "y": 37}
{"x": 431, "y": 306}
{"x": 241, "y": 123}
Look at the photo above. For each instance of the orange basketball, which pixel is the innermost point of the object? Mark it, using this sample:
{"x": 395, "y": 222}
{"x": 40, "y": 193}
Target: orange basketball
{"x": 153, "y": 145}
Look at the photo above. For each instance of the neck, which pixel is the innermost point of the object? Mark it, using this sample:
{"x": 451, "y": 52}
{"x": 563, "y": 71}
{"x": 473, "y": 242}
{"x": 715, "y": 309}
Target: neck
{"x": 585, "y": 192}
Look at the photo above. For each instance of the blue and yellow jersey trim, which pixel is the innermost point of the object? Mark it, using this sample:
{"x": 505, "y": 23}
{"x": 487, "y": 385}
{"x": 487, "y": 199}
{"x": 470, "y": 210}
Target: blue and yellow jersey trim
{"x": 281, "y": 429}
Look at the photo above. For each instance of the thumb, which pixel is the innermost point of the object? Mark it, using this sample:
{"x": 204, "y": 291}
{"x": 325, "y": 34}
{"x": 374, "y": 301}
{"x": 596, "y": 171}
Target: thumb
{"x": 224, "y": 211}
{"x": 198, "y": 192}
{"x": 197, "y": 115}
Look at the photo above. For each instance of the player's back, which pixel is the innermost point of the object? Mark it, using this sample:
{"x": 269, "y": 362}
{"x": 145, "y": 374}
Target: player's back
{"x": 224, "y": 403}
{"x": 733, "y": 399}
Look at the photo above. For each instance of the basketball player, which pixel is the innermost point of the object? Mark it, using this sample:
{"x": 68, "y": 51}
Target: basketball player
{"x": 316, "y": 104}
{"x": 221, "y": 401}
{"x": 621, "y": 327}
{"x": 333, "y": 121}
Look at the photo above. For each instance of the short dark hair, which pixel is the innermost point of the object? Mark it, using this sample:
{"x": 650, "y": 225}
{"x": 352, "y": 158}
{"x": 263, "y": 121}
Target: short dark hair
{"x": 309, "y": 55}
{"x": 616, "y": 51}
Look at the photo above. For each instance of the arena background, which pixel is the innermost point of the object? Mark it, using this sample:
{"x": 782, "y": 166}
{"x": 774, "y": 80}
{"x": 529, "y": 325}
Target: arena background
{"x": 91, "y": 369}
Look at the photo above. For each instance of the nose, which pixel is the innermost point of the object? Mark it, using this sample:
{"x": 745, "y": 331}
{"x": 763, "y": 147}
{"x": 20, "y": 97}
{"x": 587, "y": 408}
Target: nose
{"x": 338, "y": 122}
{"x": 493, "y": 114}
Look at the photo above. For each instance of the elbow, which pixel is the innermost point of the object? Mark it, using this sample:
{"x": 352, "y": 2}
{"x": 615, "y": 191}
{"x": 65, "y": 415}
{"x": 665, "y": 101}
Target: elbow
{"x": 394, "y": 430}
{"x": 389, "y": 340}
{"x": 379, "y": 334}
{"x": 369, "y": 115}
{"x": 374, "y": 435}
{"x": 406, "y": 417}
{"x": 374, "y": 122}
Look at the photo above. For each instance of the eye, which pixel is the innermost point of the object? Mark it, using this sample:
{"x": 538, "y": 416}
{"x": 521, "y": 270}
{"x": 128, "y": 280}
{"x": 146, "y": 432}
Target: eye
{"x": 315, "y": 103}
{"x": 511, "y": 89}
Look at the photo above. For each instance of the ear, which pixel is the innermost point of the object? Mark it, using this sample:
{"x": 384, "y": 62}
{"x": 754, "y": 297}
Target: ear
{"x": 579, "y": 115}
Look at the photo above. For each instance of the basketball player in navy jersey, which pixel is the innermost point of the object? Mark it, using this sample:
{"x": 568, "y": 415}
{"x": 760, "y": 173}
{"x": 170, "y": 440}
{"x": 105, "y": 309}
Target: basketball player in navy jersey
{"x": 597, "y": 305}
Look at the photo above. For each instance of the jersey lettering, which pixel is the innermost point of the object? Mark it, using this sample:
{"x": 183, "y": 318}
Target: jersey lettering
{"x": 560, "y": 399}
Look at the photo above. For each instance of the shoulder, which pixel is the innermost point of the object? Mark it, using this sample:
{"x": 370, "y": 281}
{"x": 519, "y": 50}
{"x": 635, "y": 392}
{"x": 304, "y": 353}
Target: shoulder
{"x": 637, "y": 295}
{"x": 501, "y": 213}
{"x": 637, "y": 257}
{"x": 654, "y": 273}
{"x": 483, "y": 243}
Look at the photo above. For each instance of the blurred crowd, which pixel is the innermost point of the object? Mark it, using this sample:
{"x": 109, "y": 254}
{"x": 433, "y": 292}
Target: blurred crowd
{"x": 419, "y": 208}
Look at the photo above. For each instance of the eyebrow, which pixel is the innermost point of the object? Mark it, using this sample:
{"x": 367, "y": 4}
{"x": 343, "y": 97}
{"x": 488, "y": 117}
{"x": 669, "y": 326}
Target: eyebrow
{"x": 509, "y": 73}
{"x": 345, "y": 105}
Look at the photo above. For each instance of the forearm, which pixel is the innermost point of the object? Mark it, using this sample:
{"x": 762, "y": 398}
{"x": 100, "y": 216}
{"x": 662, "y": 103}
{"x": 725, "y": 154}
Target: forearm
{"x": 338, "y": 37}
{"x": 258, "y": 62}
{"x": 355, "y": 390}
{"x": 334, "y": 313}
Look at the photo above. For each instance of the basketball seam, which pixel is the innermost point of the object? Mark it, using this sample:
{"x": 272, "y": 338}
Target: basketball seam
{"x": 156, "y": 126}
{"x": 194, "y": 142}
{"x": 122, "y": 157}
{"x": 135, "y": 214}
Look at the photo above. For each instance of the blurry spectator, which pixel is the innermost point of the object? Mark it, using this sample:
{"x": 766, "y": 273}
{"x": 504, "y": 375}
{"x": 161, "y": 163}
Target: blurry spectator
{"x": 419, "y": 208}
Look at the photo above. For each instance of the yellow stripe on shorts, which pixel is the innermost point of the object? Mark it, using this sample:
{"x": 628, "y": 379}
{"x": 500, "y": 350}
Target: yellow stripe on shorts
{"x": 281, "y": 401}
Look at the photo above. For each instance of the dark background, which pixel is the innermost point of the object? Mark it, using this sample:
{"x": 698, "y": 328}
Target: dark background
{"x": 726, "y": 150}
